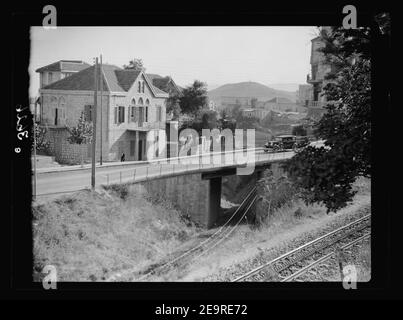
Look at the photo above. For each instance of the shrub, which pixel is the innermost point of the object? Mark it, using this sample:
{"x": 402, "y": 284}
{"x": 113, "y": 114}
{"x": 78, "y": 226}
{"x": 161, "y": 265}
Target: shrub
{"x": 274, "y": 191}
{"x": 121, "y": 190}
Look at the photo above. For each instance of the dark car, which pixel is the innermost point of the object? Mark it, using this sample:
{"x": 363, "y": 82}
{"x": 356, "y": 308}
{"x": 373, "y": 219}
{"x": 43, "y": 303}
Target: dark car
{"x": 280, "y": 143}
{"x": 286, "y": 142}
{"x": 301, "y": 142}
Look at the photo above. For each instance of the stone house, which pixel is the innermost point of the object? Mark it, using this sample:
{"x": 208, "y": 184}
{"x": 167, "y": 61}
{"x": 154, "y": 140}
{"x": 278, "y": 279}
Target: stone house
{"x": 131, "y": 114}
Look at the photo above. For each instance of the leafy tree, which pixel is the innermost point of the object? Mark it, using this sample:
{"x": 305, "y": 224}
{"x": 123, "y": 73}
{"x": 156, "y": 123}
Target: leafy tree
{"x": 299, "y": 130}
{"x": 135, "y": 64}
{"x": 194, "y": 98}
{"x": 209, "y": 119}
{"x": 42, "y": 144}
{"x": 326, "y": 174}
{"x": 205, "y": 119}
{"x": 173, "y": 106}
{"x": 81, "y": 133}
{"x": 253, "y": 102}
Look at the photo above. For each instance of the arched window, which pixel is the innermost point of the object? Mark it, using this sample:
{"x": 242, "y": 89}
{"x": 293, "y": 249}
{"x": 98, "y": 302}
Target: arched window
{"x": 53, "y": 111}
{"x": 62, "y": 110}
{"x": 147, "y": 102}
{"x": 132, "y": 111}
{"x": 141, "y": 101}
{"x": 139, "y": 89}
{"x": 143, "y": 86}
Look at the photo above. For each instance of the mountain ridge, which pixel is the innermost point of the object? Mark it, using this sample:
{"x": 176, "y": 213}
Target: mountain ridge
{"x": 249, "y": 89}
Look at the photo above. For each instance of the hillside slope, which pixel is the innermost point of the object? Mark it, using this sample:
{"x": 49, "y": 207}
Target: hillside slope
{"x": 250, "y": 89}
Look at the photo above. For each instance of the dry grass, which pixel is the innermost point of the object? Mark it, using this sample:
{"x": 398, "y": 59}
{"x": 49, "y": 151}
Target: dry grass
{"x": 364, "y": 263}
{"x": 89, "y": 236}
{"x": 292, "y": 220}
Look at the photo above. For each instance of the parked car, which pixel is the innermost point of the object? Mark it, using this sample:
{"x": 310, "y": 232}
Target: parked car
{"x": 301, "y": 141}
{"x": 286, "y": 142}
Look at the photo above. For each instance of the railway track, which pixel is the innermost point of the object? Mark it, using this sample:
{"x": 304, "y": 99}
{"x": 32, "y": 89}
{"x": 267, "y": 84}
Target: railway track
{"x": 316, "y": 263}
{"x": 287, "y": 264}
{"x": 203, "y": 247}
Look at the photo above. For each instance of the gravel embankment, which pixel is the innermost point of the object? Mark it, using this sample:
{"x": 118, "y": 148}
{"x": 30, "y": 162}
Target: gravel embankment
{"x": 235, "y": 270}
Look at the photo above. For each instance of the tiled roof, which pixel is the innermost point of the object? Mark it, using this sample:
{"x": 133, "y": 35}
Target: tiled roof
{"x": 159, "y": 91}
{"x": 82, "y": 80}
{"x": 65, "y": 65}
{"x": 162, "y": 82}
{"x": 126, "y": 78}
{"x": 115, "y": 79}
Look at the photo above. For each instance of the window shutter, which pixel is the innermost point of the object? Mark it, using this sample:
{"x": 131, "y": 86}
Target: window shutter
{"x": 116, "y": 115}
{"x": 146, "y": 114}
{"x": 123, "y": 114}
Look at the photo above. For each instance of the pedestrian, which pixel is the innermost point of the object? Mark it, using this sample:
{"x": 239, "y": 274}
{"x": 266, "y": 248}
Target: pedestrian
{"x": 122, "y": 158}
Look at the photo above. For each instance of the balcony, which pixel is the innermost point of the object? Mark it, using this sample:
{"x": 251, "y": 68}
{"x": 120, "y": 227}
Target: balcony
{"x": 145, "y": 126}
{"x": 310, "y": 79}
{"x": 315, "y": 104}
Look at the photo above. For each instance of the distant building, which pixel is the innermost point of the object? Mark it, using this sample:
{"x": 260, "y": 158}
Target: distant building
{"x": 319, "y": 69}
{"x": 212, "y": 105}
{"x": 255, "y": 113}
{"x": 280, "y": 104}
{"x": 304, "y": 95}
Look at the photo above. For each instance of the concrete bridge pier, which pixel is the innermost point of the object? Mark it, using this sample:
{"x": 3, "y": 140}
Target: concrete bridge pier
{"x": 197, "y": 195}
{"x": 194, "y": 196}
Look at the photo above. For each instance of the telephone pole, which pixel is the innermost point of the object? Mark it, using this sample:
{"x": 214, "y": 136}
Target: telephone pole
{"x": 34, "y": 120}
{"x": 101, "y": 83}
{"x": 94, "y": 124}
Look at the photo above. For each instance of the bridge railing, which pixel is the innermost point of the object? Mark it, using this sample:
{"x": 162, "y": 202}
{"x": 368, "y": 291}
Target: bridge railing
{"x": 196, "y": 163}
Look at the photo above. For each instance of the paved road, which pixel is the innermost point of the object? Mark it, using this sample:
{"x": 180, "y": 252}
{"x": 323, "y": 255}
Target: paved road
{"x": 69, "y": 181}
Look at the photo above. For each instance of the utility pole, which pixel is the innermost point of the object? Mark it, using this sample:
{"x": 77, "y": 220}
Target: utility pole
{"x": 101, "y": 88}
{"x": 94, "y": 124}
{"x": 34, "y": 120}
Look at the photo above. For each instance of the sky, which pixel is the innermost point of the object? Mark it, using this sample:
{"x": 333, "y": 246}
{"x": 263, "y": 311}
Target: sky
{"x": 273, "y": 56}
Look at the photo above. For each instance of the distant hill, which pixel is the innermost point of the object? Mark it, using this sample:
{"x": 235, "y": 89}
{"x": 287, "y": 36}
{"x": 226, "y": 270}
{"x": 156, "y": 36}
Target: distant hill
{"x": 249, "y": 89}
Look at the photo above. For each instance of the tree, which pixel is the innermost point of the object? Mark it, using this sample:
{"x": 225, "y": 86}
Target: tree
{"x": 194, "y": 98}
{"x": 173, "y": 106}
{"x": 208, "y": 119}
{"x": 81, "y": 133}
{"x": 135, "y": 64}
{"x": 326, "y": 174}
{"x": 253, "y": 102}
{"x": 299, "y": 130}
{"x": 42, "y": 144}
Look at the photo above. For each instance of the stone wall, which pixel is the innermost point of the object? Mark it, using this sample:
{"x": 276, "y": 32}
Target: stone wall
{"x": 63, "y": 151}
{"x": 73, "y": 105}
{"x": 189, "y": 193}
